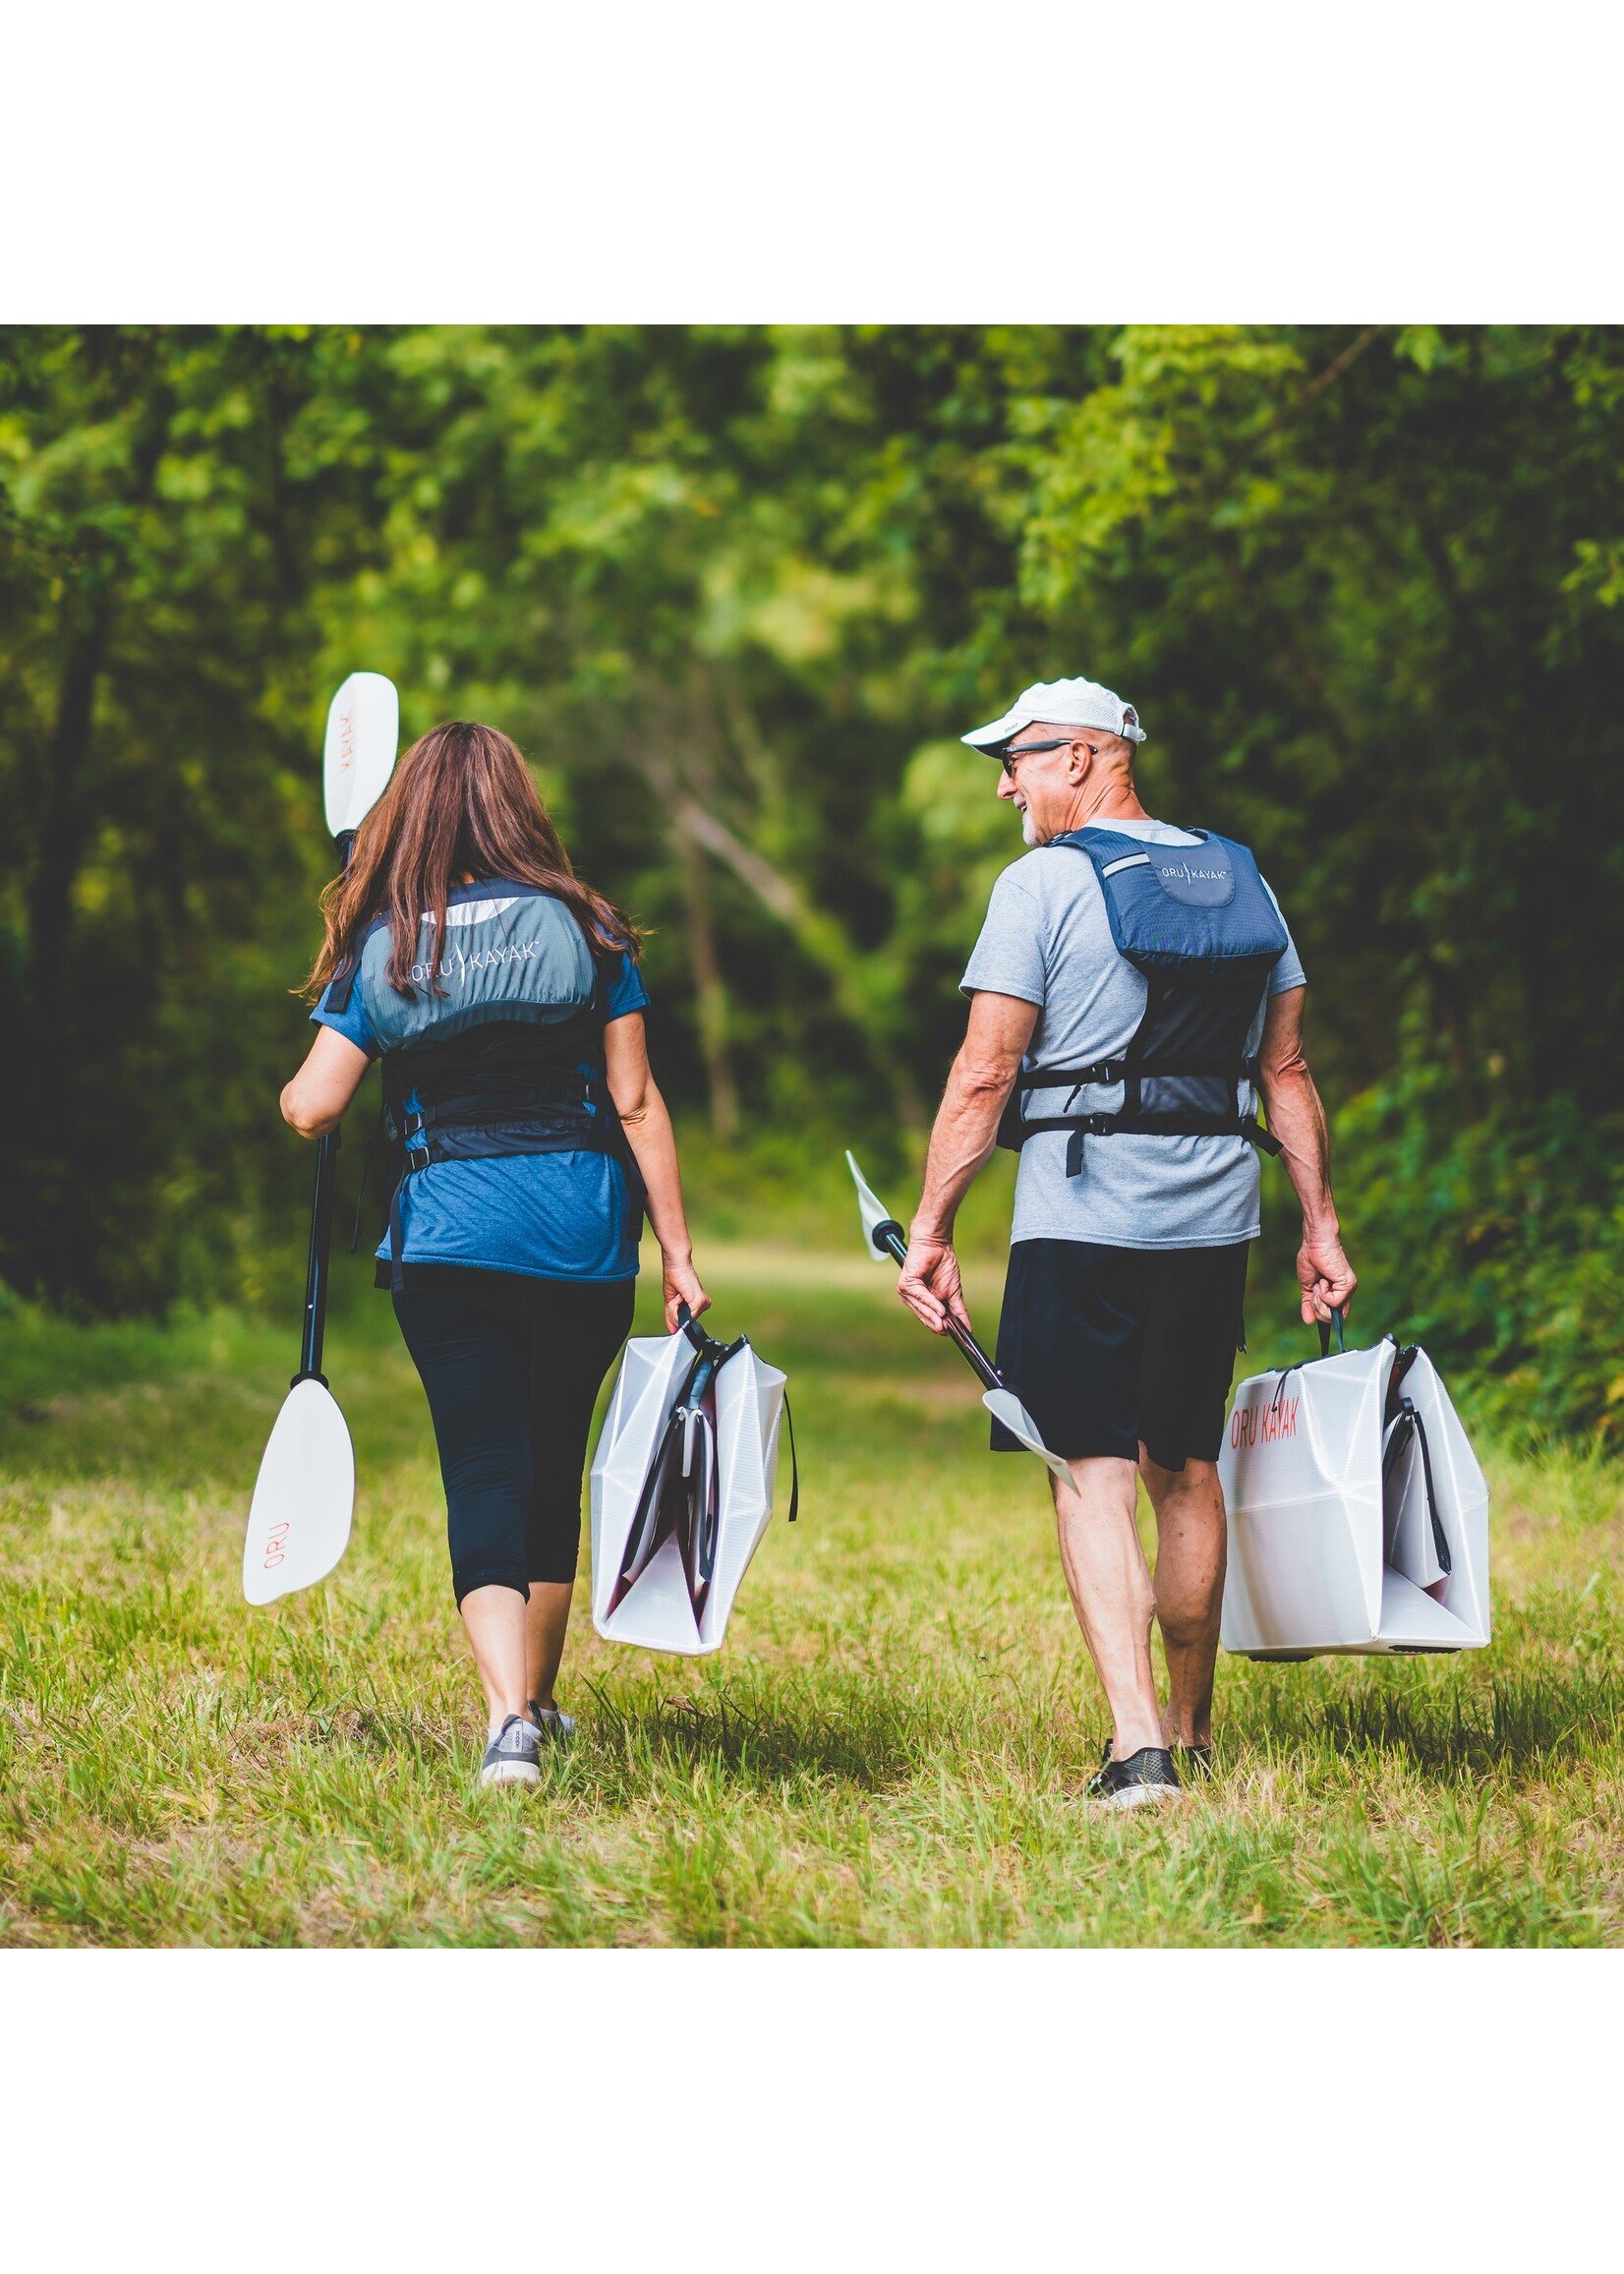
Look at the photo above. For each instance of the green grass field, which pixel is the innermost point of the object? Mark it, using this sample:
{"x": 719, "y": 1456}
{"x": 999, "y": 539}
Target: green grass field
{"x": 890, "y": 1749}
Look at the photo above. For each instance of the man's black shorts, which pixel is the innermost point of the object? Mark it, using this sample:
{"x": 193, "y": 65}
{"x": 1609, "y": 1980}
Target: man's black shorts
{"x": 1105, "y": 1346}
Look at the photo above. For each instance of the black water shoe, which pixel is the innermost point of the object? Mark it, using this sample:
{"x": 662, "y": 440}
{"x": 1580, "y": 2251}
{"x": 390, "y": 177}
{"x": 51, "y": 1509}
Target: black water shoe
{"x": 1145, "y": 1775}
{"x": 1193, "y": 1762}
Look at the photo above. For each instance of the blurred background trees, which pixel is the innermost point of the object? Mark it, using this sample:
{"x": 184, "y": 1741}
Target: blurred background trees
{"x": 736, "y": 591}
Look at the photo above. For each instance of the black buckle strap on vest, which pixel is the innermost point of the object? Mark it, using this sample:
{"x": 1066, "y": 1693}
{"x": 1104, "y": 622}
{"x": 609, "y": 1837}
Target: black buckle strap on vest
{"x": 1091, "y": 1124}
{"x": 1074, "y": 1076}
{"x": 1154, "y": 1125}
{"x": 1114, "y": 1070}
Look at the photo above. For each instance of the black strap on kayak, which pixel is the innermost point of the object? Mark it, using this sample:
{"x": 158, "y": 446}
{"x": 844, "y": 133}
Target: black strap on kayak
{"x": 647, "y": 1520}
{"x": 794, "y": 1465}
{"x": 689, "y": 1325}
{"x": 1402, "y": 1361}
{"x": 1410, "y": 1425}
{"x": 1324, "y": 1326}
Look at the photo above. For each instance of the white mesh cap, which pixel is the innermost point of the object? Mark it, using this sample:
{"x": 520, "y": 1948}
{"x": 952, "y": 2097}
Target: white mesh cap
{"x": 1064, "y": 703}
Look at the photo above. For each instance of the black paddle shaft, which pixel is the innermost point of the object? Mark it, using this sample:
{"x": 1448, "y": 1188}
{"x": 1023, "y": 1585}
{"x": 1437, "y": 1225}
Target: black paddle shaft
{"x": 316, "y": 1268}
{"x": 891, "y": 1240}
{"x": 321, "y": 1227}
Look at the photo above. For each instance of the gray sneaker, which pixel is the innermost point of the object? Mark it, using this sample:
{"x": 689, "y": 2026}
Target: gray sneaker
{"x": 556, "y": 1729}
{"x": 510, "y": 1756}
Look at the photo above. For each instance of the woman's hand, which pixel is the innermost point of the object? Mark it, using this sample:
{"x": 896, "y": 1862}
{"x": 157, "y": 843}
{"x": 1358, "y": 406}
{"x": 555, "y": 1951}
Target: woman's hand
{"x": 682, "y": 1285}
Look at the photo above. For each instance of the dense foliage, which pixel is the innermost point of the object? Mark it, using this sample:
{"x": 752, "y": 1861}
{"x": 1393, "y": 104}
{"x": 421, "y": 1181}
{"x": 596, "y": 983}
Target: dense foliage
{"x": 736, "y": 591}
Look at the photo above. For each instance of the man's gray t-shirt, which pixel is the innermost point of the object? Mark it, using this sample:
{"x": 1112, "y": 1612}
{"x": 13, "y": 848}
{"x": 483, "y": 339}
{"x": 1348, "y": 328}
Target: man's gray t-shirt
{"x": 1047, "y": 939}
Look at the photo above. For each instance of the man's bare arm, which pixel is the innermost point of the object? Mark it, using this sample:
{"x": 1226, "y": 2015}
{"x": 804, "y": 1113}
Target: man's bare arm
{"x": 1297, "y": 1118}
{"x": 960, "y": 1143}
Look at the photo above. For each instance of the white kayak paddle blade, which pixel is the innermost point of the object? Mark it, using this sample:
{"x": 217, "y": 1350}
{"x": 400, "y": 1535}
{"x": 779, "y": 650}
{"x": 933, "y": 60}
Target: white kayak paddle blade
{"x": 363, "y": 733}
{"x": 1006, "y": 1407}
{"x": 872, "y": 1211}
{"x": 298, "y": 1524}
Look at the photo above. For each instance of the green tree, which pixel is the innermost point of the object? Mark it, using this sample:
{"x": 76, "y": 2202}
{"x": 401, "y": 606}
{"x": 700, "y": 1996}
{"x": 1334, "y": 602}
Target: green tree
{"x": 737, "y": 591}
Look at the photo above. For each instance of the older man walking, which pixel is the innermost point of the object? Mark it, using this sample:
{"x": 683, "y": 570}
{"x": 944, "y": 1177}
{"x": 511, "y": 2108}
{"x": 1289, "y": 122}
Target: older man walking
{"x": 1134, "y": 986}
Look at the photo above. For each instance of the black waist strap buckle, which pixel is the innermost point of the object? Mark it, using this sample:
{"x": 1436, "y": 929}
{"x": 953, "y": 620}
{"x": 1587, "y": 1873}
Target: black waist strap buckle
{"x": 1090, "y": 1124}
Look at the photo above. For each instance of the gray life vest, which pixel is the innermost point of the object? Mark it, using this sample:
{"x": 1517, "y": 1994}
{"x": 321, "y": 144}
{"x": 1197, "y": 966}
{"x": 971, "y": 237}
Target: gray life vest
{"x": 507, "y": 1056}
{"x": 1199, "y": 924}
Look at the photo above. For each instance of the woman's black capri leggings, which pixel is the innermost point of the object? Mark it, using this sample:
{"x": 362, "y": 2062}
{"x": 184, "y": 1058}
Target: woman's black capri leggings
{"x": 513, "y": 1367}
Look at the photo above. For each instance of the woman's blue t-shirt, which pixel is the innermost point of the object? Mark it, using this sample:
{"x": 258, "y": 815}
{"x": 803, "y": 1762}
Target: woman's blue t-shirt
{"x": 545, "y": 1216}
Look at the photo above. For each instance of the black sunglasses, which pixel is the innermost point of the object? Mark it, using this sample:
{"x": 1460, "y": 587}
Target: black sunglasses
{"x": 1007, "y": 758}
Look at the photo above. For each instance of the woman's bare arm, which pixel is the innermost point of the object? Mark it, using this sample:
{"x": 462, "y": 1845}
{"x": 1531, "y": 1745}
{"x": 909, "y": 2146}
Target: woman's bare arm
{"x": 321, "y": 1093}
{"x": 648, "y": 1127}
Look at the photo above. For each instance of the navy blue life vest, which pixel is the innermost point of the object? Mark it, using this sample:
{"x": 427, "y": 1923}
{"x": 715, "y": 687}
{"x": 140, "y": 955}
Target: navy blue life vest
{"x": 1197, "y": 922}
{"x": 498, "y": 1047}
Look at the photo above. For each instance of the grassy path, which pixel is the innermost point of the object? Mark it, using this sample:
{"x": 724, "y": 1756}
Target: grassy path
{"x": 888, "y": 1750}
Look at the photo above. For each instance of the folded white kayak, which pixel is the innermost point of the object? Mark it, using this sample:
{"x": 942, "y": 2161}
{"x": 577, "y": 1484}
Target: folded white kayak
{"x": 1357, "y": 1513}
{"x": 682, "y": 1488}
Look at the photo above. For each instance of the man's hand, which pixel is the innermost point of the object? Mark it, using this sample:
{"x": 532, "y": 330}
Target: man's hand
{"x": 1326, "y": 1278}
{"x": 930, "y": 1284}
{"x": 966, "y": 1130}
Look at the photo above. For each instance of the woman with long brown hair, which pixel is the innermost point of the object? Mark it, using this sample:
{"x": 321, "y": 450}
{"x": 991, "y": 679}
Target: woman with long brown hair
{"x": 503, "y": 998}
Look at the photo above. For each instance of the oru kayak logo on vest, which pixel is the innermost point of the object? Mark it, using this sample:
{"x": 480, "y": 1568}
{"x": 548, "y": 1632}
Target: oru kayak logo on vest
{"x": 1263, "y": 1425}
{"x": 456, "y": 962}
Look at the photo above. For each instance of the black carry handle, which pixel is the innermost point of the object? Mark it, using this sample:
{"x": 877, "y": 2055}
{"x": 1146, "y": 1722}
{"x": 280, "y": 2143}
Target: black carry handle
{"x": 718, "y": 1353}
{"x": 891, "y": 1240}
{"x": 1324, "y": 1351}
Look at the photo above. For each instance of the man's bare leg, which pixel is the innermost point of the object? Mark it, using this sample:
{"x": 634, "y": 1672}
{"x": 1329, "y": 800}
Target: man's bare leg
{"x": 1190, "y": 1536}
{"x": 1111, "y": 1593}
